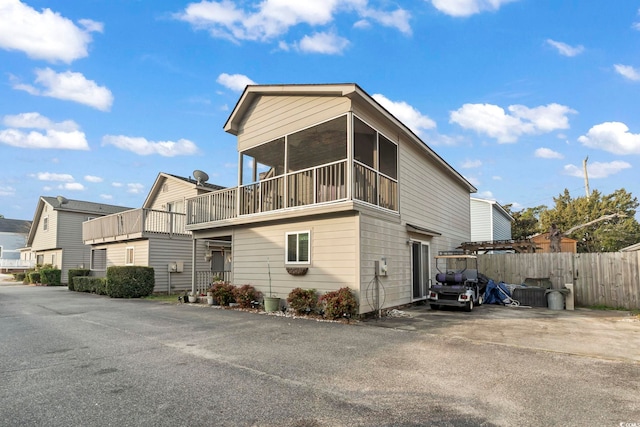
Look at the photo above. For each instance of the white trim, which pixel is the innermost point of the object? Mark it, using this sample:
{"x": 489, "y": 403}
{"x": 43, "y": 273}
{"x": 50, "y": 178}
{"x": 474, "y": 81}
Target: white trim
{"x": 126, "y": 255}
{"x": 286, "y": 247}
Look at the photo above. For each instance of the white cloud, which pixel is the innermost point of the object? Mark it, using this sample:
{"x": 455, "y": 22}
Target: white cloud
{"x": 324, "y": 43}
{"x": 72, "y": 186}
{"x": 496, "y": 178}
{"x": 408, "y": 115}
{"x": 473, "y": 180}
{"x": 613, "y": 137}
{"x": 493, "y": 121}
{"x": 7, "y": 191}
{"x": 117, "y": 184}
{"x": 471, "y": 164}
{"x": 48, "y": 176}
{"x": 461, "y": 8}
{"x": 547, "y": 153}
{"x": 274, "y": 18}
{"x": 235, "y": 82}
{"x": 91, "y": 178}
{"x": 628, "y": 72}
{"x": 597, "y": 169}
{"x": 135, "y": 188}
{"x": 565, "y": 49}
{"x": 182, "y": 147}
{"x": 636, "y": 26}
{"x": 69, "y": 86}
{"x": 43, "y": 35}
{"x": 64, "y": 135}
{"x": 106, "y": 196}
{"x": 487, "y": 195}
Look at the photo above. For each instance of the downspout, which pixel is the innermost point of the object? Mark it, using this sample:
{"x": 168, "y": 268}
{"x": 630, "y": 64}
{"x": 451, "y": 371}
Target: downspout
{"x": 193, "y": 266}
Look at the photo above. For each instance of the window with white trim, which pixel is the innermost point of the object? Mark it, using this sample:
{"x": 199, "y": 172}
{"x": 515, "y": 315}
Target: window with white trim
{"x": 128, "y": 257}
{"x": 298, "y": 246}
{"x": 45, "y": 223}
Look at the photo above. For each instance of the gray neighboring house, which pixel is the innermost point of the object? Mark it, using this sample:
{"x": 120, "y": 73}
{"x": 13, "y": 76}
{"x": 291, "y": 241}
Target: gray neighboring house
{"x": 489, "y": 221}
{"x": 333, "y": 191}
{"x": 55, "y": 236}
{"x": 155, "y": 236}
{"x": 13, "y": 237}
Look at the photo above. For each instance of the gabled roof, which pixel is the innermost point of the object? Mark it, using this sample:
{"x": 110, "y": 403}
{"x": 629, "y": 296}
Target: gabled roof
{"x": 349, "y": 90}
{"x": 156, "y": 187}
{"x": 68, "y": 205}
{"x": 497, "y": 205}
{"x": 18, "y": 226}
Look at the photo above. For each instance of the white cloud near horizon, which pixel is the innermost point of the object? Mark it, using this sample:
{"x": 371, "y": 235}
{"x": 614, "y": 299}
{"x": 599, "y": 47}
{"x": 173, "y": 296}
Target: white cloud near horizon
{"x": 565, "y": 49}
{"x": 628, "y": 72}
{"x": 464, "y": 8}
{"x": 72, "y": 186}
{"x": 613, "y": 137}
{"x": 235, "y": 82}
{"x": 471, "y": 164}
{"x": 106, "y": 196}
{"x": 92, "y": 178}
{"x": 68, "y": 86}
{"x": 272, "y": 19}
{"x": 325, "y": 42}
{"x": 135, "y": 188}
{"x": 7, "y": 191}
{"x": 144, "y": 147}
{"x": 596, "y": 170}
{"x": 411, "y": 117}
{"x": 64, "y": 135}
{"x": 493, "y": 121}
{"x": 44, "y": 34}
{"x": 486, "y": 195}
{"x": 48, "y": 176}
{"x": 547, "y": 153}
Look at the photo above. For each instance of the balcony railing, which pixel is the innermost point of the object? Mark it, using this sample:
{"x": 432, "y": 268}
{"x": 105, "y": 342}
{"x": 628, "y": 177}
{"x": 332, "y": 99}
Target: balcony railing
{"x": 134, "y": 223}
{"x": 321, "y": 184}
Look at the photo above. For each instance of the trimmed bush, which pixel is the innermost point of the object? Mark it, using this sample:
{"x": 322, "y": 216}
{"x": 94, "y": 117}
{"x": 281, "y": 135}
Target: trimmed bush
{"x": 34, "y": 277}
{"x": 245, "y": 295}
{"x": 50, "y": 276}
{"x": 76, "y": 272}
{"x": 130, "y": 281}
{"x": 19, "y": 277}
{"x": 223, "y": 292}
{"x": 340, "y": 303}
{"x": 303, "y": 301}
{"x": 95, "y": 285}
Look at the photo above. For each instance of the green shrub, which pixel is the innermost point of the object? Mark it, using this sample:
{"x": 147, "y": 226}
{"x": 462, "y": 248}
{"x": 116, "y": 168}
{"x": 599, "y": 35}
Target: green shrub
{"x": 27, "y": 280}
{"x": 340, "y": 303}
{"x": 245, "y": 295}
{"x": 223, "y": 292}
{"x": 50, "y": 276}
{"x": 129, "y": 281}
{"x": 34, "y": 277}
{"x": 95, "y": 285}
{"x": 303, "y": 300}
{"x": 19, "y": 277}
{"x": 76, "y": 272}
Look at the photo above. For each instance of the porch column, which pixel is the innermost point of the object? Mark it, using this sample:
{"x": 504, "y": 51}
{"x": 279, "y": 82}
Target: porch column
{"x": 193, "y": 265}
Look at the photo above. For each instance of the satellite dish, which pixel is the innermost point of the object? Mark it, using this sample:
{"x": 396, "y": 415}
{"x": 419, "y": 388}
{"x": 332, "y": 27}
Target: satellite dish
{"x": 62, "y": 200}
{"x": 200, "y": 176}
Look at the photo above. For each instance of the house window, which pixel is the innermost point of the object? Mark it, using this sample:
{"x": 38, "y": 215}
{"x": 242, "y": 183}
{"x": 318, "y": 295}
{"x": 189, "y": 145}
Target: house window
{"x": 53, "y": 260}
{"x": 39, "y": 259}
{"x": 99, "y": 259}
{"x": 129, "y": 259}
{"x": 298, "y": 244}
{"x": 45, "y": 223}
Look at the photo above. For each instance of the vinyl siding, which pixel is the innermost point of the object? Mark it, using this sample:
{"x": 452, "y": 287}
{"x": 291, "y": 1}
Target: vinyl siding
{"x": 162, "y": 252}
{"x": 172, "y": 190}
{"x": 501, "y": 225}
{"x": 271, "y": 117}
{"x": 481, "y": 224}
{"x": 333, "y": 249}
{"x": 46, "y": 239}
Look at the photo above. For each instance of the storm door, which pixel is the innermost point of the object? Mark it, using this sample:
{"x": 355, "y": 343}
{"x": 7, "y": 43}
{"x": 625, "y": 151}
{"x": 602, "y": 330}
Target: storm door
{"x": 420, "y": 269}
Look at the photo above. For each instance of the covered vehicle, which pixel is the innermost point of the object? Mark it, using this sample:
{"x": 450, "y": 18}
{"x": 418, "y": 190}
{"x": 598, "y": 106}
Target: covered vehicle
{"x": 458, "y": 283}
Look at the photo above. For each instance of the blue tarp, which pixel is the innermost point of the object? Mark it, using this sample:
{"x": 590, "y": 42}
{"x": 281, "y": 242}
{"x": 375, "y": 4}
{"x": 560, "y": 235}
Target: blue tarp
{"x": 497, "y": 293}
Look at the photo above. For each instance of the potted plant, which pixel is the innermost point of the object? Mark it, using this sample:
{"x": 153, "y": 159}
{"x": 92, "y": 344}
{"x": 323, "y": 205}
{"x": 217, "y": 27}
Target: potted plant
{"x": 271, "y": 303}
{"x": 193, "y": 297}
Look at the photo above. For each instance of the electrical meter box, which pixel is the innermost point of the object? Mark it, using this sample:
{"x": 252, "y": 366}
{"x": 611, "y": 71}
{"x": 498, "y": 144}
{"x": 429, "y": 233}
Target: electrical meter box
{"x": 382, "y": 266}
{"x": 176, "y": 267}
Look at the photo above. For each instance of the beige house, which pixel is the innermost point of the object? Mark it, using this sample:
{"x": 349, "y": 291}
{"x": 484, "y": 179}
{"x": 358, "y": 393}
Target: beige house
{"x": 55, "y": 236}
{"x": 332, "y": 191}
{"x": 154, "y": 236}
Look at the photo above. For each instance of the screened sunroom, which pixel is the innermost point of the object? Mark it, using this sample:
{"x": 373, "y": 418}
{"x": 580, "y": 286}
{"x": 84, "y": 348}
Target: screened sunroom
{"x": 312, "y": 166}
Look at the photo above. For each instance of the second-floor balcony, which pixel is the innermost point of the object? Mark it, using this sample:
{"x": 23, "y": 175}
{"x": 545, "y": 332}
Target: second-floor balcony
{"x": 310, "y": 187}
{"x": 133, "y": 224}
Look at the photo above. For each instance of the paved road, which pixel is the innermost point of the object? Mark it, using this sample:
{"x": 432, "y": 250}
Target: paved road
{"x": 70, "y": 359}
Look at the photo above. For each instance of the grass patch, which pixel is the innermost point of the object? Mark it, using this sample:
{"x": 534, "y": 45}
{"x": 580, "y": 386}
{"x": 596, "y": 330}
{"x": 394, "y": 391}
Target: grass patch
{"x": 162, "y": 298}
{"x": 634, "y": 311}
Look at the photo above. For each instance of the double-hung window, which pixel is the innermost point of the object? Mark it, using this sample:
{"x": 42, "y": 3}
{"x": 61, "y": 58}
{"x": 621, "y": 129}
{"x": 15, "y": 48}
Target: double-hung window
{"x": 298, "y": 247}
{"x": 129, "y": 260}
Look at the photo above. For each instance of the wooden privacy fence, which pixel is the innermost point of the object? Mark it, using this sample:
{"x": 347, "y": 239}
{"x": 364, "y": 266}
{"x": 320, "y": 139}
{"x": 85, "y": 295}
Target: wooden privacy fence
{"x": 610, "y": 278}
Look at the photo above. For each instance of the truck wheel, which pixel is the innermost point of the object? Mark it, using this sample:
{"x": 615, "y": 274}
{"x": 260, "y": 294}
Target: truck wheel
{"x": 434, "y": 306}
{"x": 480, "y": 300}
{"x": 468, "y": 306}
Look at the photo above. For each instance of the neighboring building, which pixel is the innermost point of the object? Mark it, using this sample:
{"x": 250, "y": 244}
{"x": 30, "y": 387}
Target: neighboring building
{"x": 56, "y": 232}
{"x": 489, "y": 221}
{"x": 13, "y": 237}
{"x": 543, "y": 244}
{"x": 331, "y": 186}
{"x": 633, "y": 248}
{"x": 155, "y": 236}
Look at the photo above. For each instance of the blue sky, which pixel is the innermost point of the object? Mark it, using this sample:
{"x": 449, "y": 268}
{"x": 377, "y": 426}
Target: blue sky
{"x": 99, "y": 96}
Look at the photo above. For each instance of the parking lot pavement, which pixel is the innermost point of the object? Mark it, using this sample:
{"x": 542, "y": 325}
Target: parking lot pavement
{"x": 606, "y": 334}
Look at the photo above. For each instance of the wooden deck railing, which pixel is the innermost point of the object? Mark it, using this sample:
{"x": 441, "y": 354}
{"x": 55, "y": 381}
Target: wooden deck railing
{"x": 135, "y": 221}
